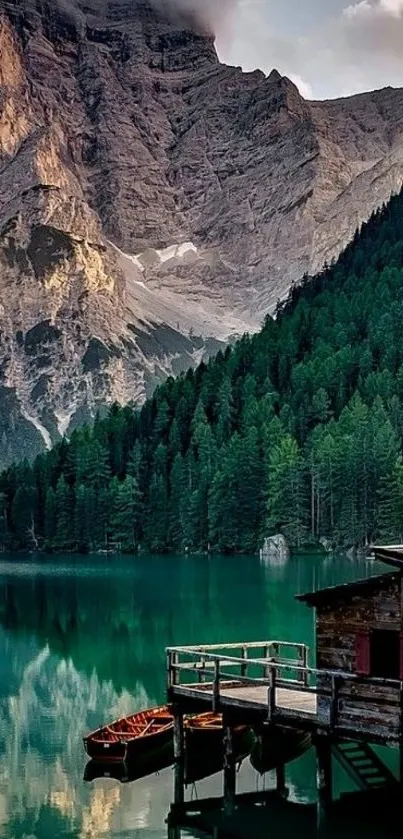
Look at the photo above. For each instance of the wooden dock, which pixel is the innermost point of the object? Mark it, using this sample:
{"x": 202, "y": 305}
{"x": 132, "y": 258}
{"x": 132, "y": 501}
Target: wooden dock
{"x": 271, "y": 682}
{"x": 351, "y": 699}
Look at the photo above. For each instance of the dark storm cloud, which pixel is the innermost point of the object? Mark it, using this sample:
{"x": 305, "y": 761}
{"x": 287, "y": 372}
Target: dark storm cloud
{"x": 210, "y": 14}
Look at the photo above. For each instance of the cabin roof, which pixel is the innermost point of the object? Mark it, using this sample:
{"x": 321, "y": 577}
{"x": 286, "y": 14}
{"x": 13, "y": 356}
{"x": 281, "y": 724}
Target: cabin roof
{"x": 348, "y": 590}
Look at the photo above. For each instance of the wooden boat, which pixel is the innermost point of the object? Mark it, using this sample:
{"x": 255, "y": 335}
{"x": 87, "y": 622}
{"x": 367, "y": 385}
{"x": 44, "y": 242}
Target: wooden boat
{"x": 127, "y": 772}
{"x": 278, "y": 745}
{"x": 204, "y": 754}
{"x": 143, "y": 745}
{"x": 145, "y": 733}
{"x": 205, "y": 748}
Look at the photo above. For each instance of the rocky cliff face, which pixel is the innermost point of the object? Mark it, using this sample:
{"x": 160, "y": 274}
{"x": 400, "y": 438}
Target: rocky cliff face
{"x": 154, "y": 203}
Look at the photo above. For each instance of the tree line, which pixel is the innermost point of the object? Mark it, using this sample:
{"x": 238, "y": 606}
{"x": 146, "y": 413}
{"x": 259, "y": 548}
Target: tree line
{"x": 297, "y": 429}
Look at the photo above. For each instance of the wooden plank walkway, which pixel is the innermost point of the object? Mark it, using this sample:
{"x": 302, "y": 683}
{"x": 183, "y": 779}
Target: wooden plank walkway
{"x": 294, "y": 702}
{"x": 286, "y": 699}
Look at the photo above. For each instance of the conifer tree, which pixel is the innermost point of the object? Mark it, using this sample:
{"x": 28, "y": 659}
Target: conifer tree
{"x": 65, "y": 535}
{"x": 286, "y": 509}
{"x": 50, "y": 517}
{"x": 124, "y": 519}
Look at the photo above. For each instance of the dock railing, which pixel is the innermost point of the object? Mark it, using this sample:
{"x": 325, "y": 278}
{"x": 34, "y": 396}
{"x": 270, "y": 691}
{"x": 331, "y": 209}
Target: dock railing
{"x": 279, "y": 667}
{"x": 271, "y": 664}
{"x": 289, "y": 659}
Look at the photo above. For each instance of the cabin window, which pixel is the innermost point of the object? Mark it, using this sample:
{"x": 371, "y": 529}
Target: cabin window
{"x": 385, "y": 654}
{"x": 363, "y": 654}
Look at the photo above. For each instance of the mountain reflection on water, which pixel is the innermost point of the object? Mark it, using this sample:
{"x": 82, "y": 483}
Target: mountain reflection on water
{"x": 82, "y": 641}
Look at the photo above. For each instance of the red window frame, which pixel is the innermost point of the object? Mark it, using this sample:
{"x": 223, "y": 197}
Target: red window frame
{"x": 363, "y": 653}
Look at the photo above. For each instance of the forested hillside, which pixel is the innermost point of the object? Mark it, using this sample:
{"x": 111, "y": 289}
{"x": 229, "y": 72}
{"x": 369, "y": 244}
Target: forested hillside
{"x": 298, "y": 429}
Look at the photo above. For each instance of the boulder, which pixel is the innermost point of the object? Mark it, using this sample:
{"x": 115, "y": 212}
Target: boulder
{"x": 276, "y": 548}
{"x": 326, "y": 544}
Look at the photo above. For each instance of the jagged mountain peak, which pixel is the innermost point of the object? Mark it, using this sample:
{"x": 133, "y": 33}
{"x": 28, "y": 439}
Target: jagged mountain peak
{"x": 274, "y": 76}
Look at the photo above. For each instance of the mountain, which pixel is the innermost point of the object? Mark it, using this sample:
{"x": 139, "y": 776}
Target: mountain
{"x": 297, "y": 429}
{"x": 154, "y": 203}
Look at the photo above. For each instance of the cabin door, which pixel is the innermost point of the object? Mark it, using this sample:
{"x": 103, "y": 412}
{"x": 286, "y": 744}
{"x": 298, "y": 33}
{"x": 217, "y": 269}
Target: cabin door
{"x": 385, "y": 654}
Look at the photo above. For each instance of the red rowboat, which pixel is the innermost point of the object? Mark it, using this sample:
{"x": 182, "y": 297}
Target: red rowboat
{"x": 146, "y": 732}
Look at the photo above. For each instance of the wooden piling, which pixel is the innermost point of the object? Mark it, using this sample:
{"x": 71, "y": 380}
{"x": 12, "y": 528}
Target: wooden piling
{"x": 271, "y": 694}
{"x": 401, "y": 736}
{"x": 280, "y": 776}
{"x": 179, "y": 755}
{"x": 323, "y": 777}
{"x": 229, "y": 769}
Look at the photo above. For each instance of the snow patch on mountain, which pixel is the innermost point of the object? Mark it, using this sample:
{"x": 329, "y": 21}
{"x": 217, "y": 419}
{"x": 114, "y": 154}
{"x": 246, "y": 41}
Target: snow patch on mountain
{"x": 39, "y": 427}
{"x": 178, "y": 251}
{"x": 63, "y": 419}
{"x": 156, "y": 303}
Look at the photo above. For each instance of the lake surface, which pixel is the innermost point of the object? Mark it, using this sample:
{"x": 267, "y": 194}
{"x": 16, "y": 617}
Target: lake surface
{"x": 82, "y": 642}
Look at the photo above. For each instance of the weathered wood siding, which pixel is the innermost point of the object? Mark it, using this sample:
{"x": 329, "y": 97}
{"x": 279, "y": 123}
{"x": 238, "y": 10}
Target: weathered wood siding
{"x": 361, "y": 706}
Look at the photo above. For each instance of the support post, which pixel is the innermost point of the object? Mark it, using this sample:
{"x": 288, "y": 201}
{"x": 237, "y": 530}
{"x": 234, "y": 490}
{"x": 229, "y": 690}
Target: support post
{"x": 266, "y": 654}
{"x": 202, "y": 675}
{"x": 323, "y": 777}
{"x": 244, "y": 667}
{"x": 229, "y": 769}
{"x": 175, "y": 671}
{"x": 271, "y": 696}
{"x": 169, "y": 670}
{"x": 179, "y": 755}
{"x": 304, "y": 662}
{"x": 401, "y": 736}
{"x": 216, "y": 686}
{"x": 280, "y": 776}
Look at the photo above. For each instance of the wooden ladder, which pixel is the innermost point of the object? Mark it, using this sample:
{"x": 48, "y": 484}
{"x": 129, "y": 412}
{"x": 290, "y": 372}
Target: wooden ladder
{"x": 363, "y": 765}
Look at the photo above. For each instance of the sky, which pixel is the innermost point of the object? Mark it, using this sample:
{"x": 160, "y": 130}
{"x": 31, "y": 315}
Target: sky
{"x": 330, "y": 48}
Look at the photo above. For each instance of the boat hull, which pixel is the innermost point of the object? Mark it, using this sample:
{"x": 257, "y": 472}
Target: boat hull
{"x": 106, "y": 752}
{"x": 130, "y": 770}
{"x": 276, "y": 746}
{"x": 205, "y": 751}
{"x": 131, "y": 749}
{"x": 132, "y": 738}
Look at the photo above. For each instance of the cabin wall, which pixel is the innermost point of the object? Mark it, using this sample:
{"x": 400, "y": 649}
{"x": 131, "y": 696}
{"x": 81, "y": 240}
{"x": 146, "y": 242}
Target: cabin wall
{"x": 338, "y": 624}
{"x": 361, "y": 705}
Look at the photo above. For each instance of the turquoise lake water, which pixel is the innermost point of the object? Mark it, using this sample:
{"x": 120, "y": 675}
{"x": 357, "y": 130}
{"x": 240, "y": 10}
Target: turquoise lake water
{"x": 82, "y": 641}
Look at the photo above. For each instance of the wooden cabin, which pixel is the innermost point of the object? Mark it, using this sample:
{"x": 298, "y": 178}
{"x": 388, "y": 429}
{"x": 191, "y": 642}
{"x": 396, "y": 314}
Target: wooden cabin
{"x": 359, "y": 632}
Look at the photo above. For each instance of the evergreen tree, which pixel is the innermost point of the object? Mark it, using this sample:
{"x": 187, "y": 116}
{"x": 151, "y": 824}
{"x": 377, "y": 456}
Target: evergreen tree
{"x": 125, "y": 514}
{"x": 81, "y": 520}
{"x": 22, "y": 517}
{"x": 4, "y": 531}
{"x": 64, "y": 537}
{"x": 176, "y": 495}
{"x": 286, "y": 507}
{"x": 50, "y": 517}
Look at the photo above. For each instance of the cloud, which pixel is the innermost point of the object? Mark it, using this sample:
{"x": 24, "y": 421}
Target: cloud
{"x": 304, "y": 87}
{"x": 364, "y": 8}
{"x": 213, "y": 15}
{"x": 358, "y": 48}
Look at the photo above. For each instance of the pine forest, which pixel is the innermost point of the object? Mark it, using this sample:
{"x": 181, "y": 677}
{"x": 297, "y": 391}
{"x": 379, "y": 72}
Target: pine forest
{"x": 296, "y": 430}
